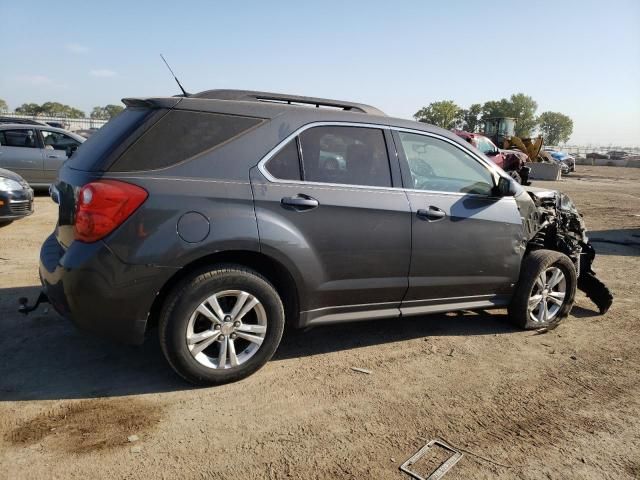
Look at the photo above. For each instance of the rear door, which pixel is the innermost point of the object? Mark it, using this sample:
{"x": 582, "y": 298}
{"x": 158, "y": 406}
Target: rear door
{"x": 20, "y": 152}
{"x": 327, "y": 202}
{"x": 467, "y": 243}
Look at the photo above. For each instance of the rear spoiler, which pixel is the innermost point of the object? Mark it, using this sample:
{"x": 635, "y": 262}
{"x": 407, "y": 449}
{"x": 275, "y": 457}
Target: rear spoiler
{"x": 160, "y": 102}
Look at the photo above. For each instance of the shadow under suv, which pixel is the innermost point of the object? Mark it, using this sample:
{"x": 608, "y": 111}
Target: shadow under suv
{"x": 220, "y": 216}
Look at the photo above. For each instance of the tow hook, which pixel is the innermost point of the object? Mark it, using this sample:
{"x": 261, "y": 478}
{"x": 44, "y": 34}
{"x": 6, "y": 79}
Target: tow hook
{"x": 25, "y": 308}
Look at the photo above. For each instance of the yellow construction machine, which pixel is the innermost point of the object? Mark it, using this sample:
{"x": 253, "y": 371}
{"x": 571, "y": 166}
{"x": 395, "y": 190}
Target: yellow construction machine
{"x": 502, "y": 131}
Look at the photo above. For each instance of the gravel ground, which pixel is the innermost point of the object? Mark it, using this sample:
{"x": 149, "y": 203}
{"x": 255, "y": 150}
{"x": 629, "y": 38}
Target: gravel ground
{"x": 564, "y": 404}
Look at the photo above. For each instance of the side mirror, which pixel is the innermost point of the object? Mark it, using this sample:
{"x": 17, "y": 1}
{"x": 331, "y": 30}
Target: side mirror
{"x": 71, "y": 150}
{"x": 506, "y": 187}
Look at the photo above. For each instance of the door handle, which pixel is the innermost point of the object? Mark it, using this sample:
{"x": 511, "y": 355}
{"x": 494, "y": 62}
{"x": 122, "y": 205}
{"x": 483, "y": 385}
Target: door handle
{"x": 53, "y": 156}
{"x": 432, "y": 213}
{"x": 300, "y": 202}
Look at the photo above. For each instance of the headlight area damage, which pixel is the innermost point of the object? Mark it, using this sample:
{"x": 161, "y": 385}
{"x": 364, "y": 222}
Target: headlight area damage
{"x": 555, "y": 224}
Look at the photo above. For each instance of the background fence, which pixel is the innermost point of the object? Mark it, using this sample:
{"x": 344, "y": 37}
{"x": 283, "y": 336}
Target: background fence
{"x": 71, "y": 124}
{"x": 582, "y": 150}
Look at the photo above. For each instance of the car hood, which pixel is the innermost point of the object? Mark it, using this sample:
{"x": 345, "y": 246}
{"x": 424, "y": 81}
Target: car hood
{"x": 9, "y": 174}
{"x": 541, "y": 193}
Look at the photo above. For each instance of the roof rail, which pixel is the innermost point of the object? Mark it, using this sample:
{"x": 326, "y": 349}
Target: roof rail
{"x": 251, "y": 96}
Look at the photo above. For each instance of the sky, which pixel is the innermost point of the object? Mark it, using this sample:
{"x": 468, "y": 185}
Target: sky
{"x": 581, "y": 58}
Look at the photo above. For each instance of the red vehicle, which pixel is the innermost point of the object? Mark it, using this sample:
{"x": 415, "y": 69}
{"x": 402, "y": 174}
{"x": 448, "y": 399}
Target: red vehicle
{"x": 511, "y": 161}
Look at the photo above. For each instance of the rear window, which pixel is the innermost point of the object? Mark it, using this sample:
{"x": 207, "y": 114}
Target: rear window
{"x": 111, "y": 139}
{"x": 180, "y": 135}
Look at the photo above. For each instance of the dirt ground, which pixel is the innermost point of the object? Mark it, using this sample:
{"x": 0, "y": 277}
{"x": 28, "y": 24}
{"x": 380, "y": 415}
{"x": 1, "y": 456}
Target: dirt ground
{"x": 565, "y": 404}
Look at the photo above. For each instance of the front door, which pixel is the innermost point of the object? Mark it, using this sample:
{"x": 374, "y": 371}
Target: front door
{"x": 325, "y": 202}
{"x": 57, "y": 148}
{"x": 20, "y": 153}
{"x": 466, "y": 242}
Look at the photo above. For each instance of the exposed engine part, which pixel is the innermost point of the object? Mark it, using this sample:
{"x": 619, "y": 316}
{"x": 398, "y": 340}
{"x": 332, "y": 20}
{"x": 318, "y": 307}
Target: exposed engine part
{"x": 562, "y": 228}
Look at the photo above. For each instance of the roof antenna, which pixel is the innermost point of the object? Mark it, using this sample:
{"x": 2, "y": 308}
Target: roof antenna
{"x": 174, "y": 76}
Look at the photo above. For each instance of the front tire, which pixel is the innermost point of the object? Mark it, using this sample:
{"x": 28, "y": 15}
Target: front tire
{"x": 546, "y": 290}
{"x": 221, "y": 324}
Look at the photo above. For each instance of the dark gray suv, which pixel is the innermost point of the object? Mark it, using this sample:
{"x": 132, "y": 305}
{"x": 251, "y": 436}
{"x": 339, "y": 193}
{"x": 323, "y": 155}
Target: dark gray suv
{"x": 219, "y": 217}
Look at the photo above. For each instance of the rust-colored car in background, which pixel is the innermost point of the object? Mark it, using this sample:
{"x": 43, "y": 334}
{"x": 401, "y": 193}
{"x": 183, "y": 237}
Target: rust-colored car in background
{"x": 511, "y": 161}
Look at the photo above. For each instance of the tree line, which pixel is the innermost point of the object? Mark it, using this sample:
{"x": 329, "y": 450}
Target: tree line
{"x": 555, "y": 127}
{"x": 56, "y": 109}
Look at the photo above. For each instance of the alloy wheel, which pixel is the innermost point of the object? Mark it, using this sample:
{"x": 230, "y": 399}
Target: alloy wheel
{"x": 547, "y": 295}
{"x": 226, "y": 329}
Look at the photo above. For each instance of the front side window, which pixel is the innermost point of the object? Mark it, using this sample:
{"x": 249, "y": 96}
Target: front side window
{"x": 18, "y": 138}
{"x": 58, "y": 141}
{"x": 345, "y": 155}
{"x": 437, "y": 165}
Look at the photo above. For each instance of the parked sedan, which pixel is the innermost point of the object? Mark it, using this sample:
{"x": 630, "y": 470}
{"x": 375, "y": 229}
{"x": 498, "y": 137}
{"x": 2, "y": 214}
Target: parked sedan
{"x": 36, "y": 152}
{"x": 16, "y": 197}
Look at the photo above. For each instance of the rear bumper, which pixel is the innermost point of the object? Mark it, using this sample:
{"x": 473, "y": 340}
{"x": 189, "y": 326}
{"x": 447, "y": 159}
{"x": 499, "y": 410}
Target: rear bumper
{"x": 89, "y": 285}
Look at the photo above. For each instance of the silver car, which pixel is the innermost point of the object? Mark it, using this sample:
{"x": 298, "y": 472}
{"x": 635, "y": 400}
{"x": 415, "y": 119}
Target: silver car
{"x": 36, "y": 152}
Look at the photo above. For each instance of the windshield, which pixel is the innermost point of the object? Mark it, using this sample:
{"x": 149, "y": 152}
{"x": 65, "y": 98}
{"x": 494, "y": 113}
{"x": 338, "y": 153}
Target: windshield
{"x": 485, "y": 146}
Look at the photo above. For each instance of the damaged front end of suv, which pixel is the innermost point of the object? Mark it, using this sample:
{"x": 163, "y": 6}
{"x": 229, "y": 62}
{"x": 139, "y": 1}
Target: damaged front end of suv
{"x": 556, "y": 224}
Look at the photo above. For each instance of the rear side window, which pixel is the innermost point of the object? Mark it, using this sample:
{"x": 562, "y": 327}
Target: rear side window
{"x": 180, "y": 135}
{"x": 18, "y": 138}
{"x": 345, "y": 155}
{"x": 111, "y": 139}
{"x": 285, "y": 165}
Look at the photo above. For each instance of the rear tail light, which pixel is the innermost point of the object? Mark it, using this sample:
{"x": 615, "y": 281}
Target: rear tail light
{"x": 103, "y": 206}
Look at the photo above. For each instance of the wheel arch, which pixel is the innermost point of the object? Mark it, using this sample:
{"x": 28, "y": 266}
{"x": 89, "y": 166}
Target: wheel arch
{"x": 275, "y": 272}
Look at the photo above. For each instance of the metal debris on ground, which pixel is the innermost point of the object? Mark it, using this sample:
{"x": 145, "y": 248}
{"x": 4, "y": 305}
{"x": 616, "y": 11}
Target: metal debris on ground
{"x": 438, "y": 472}
{"x": 361, "y": 370}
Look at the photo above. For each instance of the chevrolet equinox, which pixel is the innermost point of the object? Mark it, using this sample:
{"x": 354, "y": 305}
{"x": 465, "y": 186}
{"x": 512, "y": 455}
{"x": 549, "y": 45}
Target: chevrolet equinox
{"x": 220, "y": 217}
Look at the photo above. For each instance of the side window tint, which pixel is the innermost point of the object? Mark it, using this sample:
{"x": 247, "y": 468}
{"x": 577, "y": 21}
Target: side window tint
{"x": 345, "y": 155}
{"x": 285, "y": 165}
{"x": 19, "y": 138}
{"x": 181, "y": 135}
{"x": 439, "y": 166}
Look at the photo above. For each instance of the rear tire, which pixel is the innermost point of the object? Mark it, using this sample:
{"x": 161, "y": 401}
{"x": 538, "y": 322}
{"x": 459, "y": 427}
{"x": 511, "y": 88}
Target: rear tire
{"x": 221, "y": 324}
{"x": 545, "y": 291}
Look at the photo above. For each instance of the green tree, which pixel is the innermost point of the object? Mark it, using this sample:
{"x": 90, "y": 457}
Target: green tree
{"x": 445, "y": 114}
{"x": 3, "y": 106}
{"x": 28, "y": 109}
{"x": 471, "y": 118}
{"x": 555, "y": 127}
{"x": 56, "y": 109}
{"x": 107, "y": 112}
{"x": 519, "y": 106}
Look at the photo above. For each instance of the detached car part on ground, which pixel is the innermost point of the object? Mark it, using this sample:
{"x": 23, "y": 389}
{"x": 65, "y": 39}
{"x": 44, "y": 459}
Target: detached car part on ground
{"x": 16, "y": 197}
{"x": 221, "y": 216}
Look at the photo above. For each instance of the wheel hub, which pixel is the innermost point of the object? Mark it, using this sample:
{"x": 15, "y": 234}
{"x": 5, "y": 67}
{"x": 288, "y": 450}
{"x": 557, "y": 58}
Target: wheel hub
{"x": 227, "y": 328}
